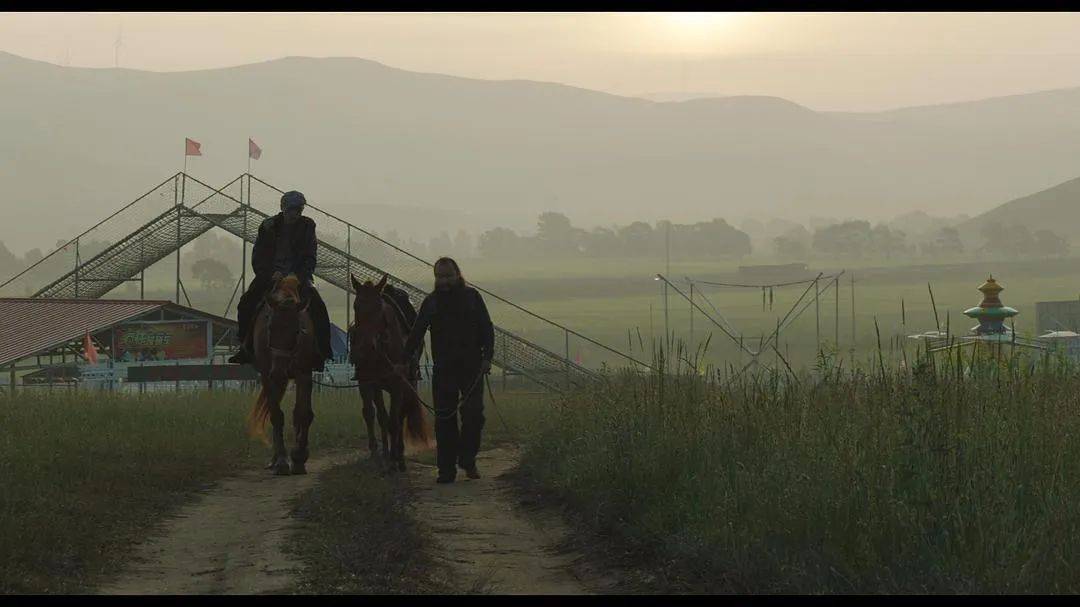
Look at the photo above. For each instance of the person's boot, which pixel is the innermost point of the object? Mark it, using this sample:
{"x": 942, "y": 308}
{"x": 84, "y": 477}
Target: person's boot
{"x": 445, "y": 478}
{"x": 470, "y": 470}
{"x": 242, "y": 356}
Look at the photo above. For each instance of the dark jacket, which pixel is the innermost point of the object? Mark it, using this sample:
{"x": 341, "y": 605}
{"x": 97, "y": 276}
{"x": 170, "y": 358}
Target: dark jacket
{"x": 303, "y": 243}
{"x": 461, "y": 329}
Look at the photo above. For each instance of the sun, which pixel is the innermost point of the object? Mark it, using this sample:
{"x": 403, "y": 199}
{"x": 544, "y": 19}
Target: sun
{"x": 698, "y": 31}
{"x": 697, "y": 21}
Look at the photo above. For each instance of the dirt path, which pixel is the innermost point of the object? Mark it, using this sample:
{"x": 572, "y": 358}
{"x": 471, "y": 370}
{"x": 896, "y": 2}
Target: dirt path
{"x": 488, "y": 543}
{"x": 228, "y": 542}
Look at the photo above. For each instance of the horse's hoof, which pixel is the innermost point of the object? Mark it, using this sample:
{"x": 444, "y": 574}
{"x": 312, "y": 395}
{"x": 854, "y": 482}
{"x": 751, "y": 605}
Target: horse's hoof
{"x": 298, "y": 468}
{"x": 281, "y": 467}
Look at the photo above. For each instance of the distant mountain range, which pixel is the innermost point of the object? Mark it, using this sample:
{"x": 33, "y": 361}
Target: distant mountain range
{"x": 1056, "y": 209}
{"x": 368, "y": 139}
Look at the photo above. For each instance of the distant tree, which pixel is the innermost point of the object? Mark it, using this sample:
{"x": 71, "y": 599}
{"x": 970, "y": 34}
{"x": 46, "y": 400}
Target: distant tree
{"x": 8, "y": 261}
{"x": 556, "y": 236}
{"x": 945, "y": 241}
{"x": 393, "y": 238}
{"x": 441, "y": 245}
{"x": 723, "y": 239}
{"x": 602, "y": 242}
{"x": 636, "y": 238}
{"x": 848, "y": 239}
{"x": 793, "y": 244}
{"x": 500, "y": 243}
{"x": 1049, "y": 244}
{"x": 33, "y": 256}
{"x": 887, "y": 241}
{"x": 212, "y": 273}
{"x": 463, "y": 244}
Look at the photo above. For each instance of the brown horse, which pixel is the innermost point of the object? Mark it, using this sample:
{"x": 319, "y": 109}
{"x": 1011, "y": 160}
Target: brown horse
{"x": 377, "y": 344}
{"x": 284, "y": 347}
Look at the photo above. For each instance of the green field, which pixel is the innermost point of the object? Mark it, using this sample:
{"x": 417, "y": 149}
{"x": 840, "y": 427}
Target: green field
{"x": 614, "y": 301}
{"x": 935, "y": 481}
{"x": 86, "y": 474}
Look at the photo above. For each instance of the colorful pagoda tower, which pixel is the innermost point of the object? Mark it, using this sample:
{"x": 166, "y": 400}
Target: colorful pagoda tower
{"x": 990, "y": 336}
{"x": 990, "y": 312}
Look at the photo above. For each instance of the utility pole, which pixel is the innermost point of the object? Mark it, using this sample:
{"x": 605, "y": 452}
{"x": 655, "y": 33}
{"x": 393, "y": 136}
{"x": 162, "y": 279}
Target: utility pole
{"x": 692, "y": 316}
{"x": 836, "y": 313}
{"x": 817, "y": 316}
{"x": 667, "y": 272}
{"x": 853, "y": 316}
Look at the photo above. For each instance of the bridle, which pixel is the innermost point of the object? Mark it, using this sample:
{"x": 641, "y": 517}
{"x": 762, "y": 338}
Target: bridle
{"x": 300, "y": 331}
{"x": 378, "y": 338}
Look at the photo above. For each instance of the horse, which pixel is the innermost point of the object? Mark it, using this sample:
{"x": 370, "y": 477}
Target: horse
{"x": 284, "y": 348}
{"x": 377, "y": 344}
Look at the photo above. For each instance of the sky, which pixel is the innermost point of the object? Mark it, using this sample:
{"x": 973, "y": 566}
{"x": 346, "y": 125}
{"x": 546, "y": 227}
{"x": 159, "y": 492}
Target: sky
{"x": 826, "y": 61}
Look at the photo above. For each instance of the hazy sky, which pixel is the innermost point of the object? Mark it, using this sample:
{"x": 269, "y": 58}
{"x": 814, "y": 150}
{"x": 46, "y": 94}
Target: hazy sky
{"x": 841, "y": 61}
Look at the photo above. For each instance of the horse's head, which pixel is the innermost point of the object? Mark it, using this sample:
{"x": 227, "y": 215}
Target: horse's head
{"x": 370, "y": 323}
{"x": 283, "y": 300}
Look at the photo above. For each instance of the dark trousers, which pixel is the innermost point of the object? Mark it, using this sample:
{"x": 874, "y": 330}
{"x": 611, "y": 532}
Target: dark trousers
{"x": 257, "y": 289}
{"x": 450, "y": 385}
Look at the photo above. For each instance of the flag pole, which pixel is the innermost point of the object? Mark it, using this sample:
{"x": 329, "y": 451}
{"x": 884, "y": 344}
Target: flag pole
{"x": 249, "y": 155}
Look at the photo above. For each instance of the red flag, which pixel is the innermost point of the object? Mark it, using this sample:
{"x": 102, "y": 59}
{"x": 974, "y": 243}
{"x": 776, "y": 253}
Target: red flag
{"x": 192, "y": 147}
{"x": 89, "y": 349}
{"x": 254, "y": 151}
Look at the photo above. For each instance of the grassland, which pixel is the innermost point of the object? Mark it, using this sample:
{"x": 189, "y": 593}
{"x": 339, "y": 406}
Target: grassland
{"x": 86, "y": 474}
{"x": 951, "y": 478}
{"x": 615, "y": 300}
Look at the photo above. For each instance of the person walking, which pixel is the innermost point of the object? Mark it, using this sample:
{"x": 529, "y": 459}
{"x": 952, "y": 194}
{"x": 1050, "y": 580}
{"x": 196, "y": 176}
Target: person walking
{"x": 462, "y": 345}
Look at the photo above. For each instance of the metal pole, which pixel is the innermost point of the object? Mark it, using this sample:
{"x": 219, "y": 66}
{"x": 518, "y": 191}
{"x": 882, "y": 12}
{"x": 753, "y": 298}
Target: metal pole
{"x": 243, "y": 240}
{"x": 817, "y": 315}
{"x": 348, "y": 272}
{"x": 12, "y": 379}
{"x": 853, "y": 315}
{"x": 179, "y": 201}
{"x": 142, "y": 264}
{"x": 77, "y": 268}
{"x": 836, "y": 313}
{"x": 566, "y": 334}
{"x": 692, "y": 315}
{"x": 667, "y": 272}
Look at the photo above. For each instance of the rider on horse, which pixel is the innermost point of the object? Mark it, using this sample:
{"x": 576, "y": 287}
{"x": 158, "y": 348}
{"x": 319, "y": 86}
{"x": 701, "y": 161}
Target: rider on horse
{"x": 286, "y": 245}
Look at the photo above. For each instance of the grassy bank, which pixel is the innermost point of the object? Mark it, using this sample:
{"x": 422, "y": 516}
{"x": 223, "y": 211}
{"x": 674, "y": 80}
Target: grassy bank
{"x": 87, "y": 474}
{"x": 358, "y": 536}
{"x": 944, "y": 479}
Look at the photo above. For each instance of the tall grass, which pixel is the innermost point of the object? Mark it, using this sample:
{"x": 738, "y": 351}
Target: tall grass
{"x": 87, "y": 474}
{"x": 947, "y": 475}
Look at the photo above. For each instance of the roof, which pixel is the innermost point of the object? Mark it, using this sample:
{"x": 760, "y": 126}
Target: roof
{"x": 32, "y": 325}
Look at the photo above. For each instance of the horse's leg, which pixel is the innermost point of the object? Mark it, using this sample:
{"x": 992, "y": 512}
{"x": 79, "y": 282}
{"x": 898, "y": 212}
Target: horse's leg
{"x": 276, "y": 392}
{"x": 384, "y": 420}
{"x": 397, "y": 427}
{"x": 303, "y": 415}
{"x": 369, "y": 420}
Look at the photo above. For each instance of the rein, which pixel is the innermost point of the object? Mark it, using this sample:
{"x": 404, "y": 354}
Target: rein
{"x": 300, "y": 330}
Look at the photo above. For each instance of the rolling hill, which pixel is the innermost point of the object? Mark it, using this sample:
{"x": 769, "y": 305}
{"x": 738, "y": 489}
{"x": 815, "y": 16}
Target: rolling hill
{"x": 79, "y": 142}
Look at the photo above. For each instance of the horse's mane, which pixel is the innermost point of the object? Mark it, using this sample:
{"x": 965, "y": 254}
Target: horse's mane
{"x": 290, "y": 287}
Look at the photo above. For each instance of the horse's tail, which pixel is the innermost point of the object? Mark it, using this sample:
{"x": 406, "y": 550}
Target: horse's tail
{"x": 416, "y": 429}
{"x": 260, "y": 412}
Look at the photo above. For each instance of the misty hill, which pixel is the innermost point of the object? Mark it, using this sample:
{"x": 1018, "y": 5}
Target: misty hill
{"x": 1056, "y": 209}
{"x": 79, "y": 142}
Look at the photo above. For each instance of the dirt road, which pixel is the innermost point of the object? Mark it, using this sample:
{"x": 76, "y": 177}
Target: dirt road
{"x": 230, "y": 541}
{"x": 488, "y": 543}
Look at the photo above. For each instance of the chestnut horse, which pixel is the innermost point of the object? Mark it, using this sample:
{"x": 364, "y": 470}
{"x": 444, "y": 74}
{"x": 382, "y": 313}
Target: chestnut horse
{"x": 377, "y": 345}
{"x": 284, "y": 347}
